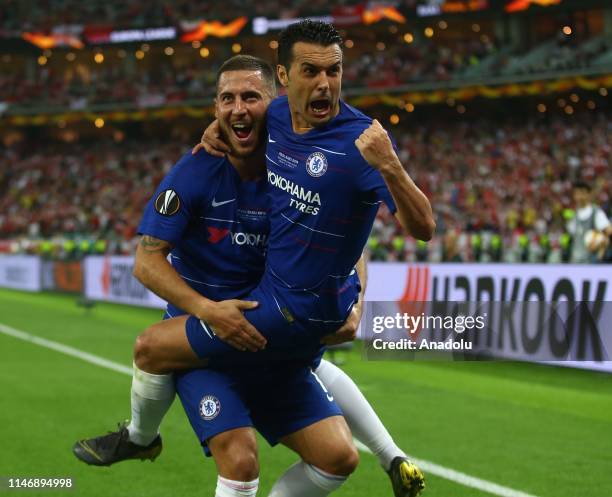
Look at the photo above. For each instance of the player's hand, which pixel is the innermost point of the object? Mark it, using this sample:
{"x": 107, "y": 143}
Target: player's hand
{"x": 348, "y": 331}
{"x": 227, "y": 320}
{"x": 212, "y": 142}
{"x": 376, "y": 148}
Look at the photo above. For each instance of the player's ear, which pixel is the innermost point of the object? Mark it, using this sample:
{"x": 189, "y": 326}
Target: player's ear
{"x": 283, "y": 77}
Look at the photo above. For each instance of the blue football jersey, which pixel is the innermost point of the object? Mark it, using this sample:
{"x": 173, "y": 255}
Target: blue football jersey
{"x": 217, "y": 223}
{"x": 323, "y": 199}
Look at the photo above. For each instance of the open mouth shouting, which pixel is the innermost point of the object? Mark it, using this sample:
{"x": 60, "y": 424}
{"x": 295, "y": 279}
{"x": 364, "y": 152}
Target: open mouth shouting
{"x": 320, "y": 107}
{"x": 242, "y": 131}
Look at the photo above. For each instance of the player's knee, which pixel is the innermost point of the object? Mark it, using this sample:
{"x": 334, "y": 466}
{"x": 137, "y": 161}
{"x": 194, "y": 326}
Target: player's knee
{"x": 144, "y": 352}
{"x": 341, "y": 461}
{"x": 236, "y": 456}
{"x": 244, "y": 465}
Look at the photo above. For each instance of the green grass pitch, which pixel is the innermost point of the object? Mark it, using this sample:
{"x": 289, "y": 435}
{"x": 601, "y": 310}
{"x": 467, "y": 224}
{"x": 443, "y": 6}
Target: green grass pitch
{"x": 541, "y": 430}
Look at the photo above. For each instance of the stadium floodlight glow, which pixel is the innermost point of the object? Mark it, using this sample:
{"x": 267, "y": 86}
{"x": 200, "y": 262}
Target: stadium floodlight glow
{"x": 518, "y": 5}
{"x": 51, "y": 41}
{"x": 201, "y": 30}
{"x": 430, "y": 8}
{"x": 370, "y": 15}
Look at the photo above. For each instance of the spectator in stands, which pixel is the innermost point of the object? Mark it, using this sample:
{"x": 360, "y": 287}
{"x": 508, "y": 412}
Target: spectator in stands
{"x": 590, "y": 227}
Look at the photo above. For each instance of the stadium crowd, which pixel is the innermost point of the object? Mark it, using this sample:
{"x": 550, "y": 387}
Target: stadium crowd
{"x": 83, "y": 83}
{"x": 45, "y": 14}
{"x": 499, "y": 191}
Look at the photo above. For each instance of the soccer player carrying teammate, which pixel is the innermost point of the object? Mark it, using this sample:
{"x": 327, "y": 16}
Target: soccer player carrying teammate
{"x": 309, "y": 288}
{"x": 212, "y": 213}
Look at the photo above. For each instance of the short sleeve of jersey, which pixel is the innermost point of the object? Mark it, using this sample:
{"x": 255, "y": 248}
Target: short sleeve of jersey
{"x": 370, "y": 180}
{"x": 179, "y": 197}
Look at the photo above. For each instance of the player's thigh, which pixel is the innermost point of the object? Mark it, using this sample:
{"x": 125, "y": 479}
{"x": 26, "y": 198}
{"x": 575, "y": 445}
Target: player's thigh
{"x": 235, "y": 454}
{"x": 326, "y": 444}
{"x": 164, "y": 347}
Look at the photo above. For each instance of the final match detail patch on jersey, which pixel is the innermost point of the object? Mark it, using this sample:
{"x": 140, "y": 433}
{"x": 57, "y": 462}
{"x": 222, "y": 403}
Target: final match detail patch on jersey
{"x": 316, "y": 164}
{"x": 167, "y": 203}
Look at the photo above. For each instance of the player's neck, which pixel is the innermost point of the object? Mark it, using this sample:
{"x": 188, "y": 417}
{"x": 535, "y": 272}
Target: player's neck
{"x": 249, "y": 168}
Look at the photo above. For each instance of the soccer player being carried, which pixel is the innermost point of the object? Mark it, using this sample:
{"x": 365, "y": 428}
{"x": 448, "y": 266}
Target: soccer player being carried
{"x": 324, "y": 193}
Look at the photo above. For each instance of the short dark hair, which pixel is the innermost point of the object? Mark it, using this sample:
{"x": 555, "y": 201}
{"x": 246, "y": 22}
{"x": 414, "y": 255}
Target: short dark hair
{"x": 249, "y": 63}
{"x": 581, "y": 185}
{"x": 308, "y": 31}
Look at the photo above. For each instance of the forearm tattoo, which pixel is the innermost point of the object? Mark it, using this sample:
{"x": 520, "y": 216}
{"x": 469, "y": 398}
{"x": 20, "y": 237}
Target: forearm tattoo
{"x": 150, "y": 244}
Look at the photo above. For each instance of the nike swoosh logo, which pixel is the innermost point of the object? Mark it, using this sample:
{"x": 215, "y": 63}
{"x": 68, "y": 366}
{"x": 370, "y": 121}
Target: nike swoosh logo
{"x": 270, "y": 140}
{"x": 330, "y": 398}
{"x": 217, "y": 204}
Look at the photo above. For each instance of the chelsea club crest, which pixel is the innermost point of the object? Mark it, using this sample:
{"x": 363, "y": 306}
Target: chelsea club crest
{"x": 316, "y": 164}
{"x": 209, "y": 407}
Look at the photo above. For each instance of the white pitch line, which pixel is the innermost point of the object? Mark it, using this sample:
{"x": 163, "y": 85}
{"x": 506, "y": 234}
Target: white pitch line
{"x": 427, "y": 466}
{"x": 65, "y": 349}
{"x": 457, "y": 476}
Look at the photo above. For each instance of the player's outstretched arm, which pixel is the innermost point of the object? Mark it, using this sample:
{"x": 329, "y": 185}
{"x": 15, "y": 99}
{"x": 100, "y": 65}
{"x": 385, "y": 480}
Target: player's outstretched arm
{"x": 348, "y": 331}
{"x": 413, "y": 208}
{"x": 153, "y": 270}
{"x": 212, "y": 141}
